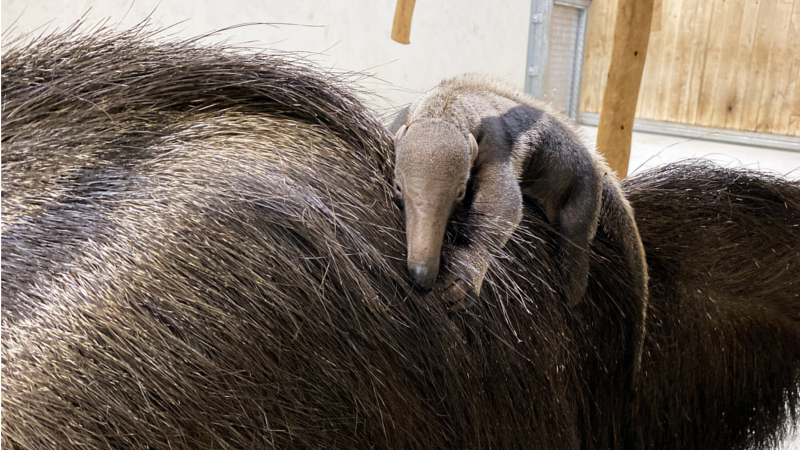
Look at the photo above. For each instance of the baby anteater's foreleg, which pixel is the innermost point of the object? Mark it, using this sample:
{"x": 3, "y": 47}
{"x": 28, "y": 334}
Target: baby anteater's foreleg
{"x": 495, "y": 214}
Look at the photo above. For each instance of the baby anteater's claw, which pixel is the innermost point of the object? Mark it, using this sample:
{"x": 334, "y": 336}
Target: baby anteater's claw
{"x": 459, "y": 295}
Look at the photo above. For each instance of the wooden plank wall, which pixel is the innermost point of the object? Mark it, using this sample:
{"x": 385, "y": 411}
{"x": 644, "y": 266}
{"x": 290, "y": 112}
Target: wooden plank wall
{"x": 718, "y": 63}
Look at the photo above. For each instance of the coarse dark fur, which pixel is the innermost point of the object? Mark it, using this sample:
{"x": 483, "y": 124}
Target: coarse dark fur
{"x": 200, "y": 250}
{"x": 722, "y": 355}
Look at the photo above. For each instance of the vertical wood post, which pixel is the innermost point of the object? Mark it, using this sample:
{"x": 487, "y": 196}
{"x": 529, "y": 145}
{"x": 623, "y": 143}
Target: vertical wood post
{"x": 401, "y": 28}
{"x": 631, "y": 34}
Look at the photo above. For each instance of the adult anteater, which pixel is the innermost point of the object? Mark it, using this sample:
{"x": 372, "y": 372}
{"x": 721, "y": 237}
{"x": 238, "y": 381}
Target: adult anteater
{"x": 200, "y": 250}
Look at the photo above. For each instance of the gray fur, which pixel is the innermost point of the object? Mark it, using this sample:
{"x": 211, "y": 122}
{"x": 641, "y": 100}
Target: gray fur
{"x": 525, "y": 149}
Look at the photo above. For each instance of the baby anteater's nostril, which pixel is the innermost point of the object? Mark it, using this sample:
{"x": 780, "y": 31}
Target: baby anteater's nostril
{"x": 423, "y": 274}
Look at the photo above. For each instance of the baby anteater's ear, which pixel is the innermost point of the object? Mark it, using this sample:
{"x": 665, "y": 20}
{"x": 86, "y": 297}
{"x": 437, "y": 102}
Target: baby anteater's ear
{"x": 473, "y": 145}
{"x": 399, "y": 134}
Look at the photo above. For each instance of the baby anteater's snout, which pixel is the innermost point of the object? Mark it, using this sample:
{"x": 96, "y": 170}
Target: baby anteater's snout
{"x": 423, "y": 273}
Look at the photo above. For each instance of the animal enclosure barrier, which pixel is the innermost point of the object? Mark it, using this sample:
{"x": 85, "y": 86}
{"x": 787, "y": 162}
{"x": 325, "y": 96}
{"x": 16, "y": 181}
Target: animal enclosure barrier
{"x": 726, "y": 65}
{"x": 555, "y": 52}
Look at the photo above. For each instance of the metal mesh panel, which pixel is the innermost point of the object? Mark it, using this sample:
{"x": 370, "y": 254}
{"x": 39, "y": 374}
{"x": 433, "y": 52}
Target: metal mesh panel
{"x": 559, "y": 75}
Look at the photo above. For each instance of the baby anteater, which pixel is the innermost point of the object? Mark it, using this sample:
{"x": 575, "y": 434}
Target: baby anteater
{"x": 509, "y": 145}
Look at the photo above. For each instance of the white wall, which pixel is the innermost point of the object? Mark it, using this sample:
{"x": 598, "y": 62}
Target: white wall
{"x": 448, "y": 37}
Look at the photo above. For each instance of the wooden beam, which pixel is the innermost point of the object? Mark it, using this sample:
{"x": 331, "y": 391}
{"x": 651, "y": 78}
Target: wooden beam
{"x": 631, "y": 33}
{"x": 401, "y": 28}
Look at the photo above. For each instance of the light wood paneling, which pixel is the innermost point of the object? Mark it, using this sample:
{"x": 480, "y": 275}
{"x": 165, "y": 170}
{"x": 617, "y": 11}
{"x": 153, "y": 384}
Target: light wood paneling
{"x": 725, "y": 87}
{"x": 731, "y": 64}
{"x": 707, "y": 47}
{"x": 602, "y": 15}
{"x": 780, "y": 63}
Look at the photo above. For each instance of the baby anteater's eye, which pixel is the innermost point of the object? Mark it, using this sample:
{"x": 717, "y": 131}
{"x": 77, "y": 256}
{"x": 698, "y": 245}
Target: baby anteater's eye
{"x": 460, "y": 194}
{"x": 398, "y": 190}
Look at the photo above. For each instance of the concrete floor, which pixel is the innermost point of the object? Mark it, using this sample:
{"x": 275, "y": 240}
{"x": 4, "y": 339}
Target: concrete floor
{"x": 650, "y": 150}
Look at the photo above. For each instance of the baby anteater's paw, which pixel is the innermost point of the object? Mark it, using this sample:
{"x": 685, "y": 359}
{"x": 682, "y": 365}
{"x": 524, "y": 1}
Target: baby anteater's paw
{"x": 459, "y": 294}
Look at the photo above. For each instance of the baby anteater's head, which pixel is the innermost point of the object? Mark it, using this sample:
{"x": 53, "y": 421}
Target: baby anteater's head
{"x": 433, "y": 160}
